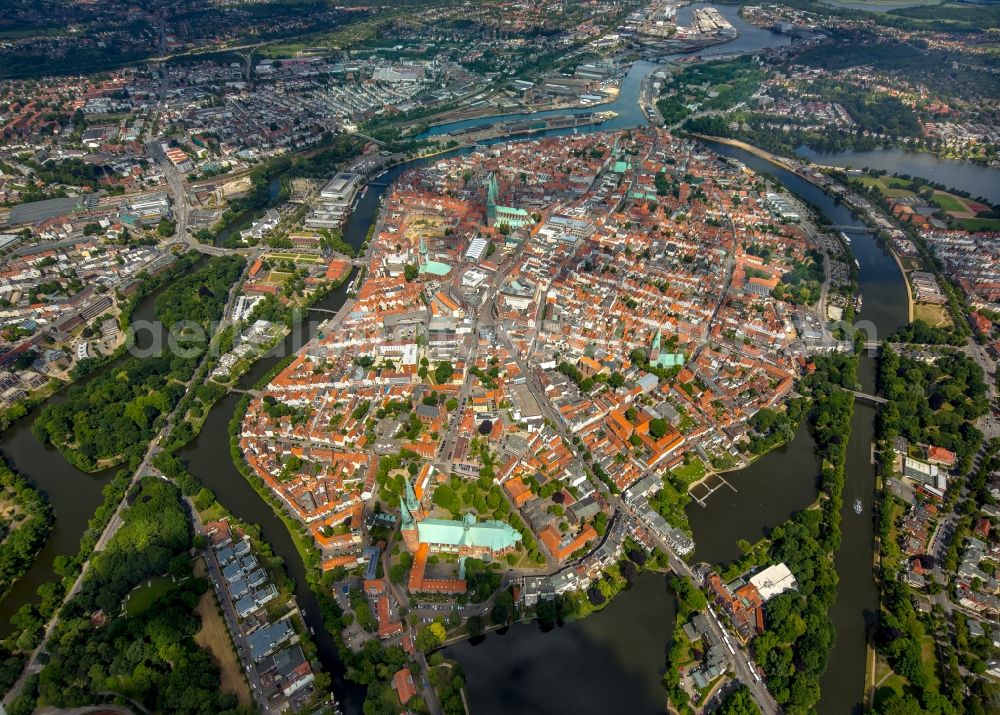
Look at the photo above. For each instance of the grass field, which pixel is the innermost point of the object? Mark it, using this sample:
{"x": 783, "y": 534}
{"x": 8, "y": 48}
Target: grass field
{"x": 296, "y": 257}
{"x": 980, "y": 224}
{"x": 142, "y": 597}
{"x": 888, "y": 185}
{"x": 895, "y": 513}
{"x": 947, "y": 202}
{"x": 935, "y": 315}
{"x": 214, "y": 637}
{"x": 929, "y": 658}
{"x": 690, "y": 472}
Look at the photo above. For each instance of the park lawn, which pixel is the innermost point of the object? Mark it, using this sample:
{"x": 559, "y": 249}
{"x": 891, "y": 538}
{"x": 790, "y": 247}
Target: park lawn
{"x": 296, "y": 257}
{"x": 142, "y": 597}
{"x": 929, "y": 659}
{"x": 690, "y": 472}
{"x": 895, "y": 513}
{"x": 882, "y": 669}
{"x": 890, "y": 182}
{"x": 214, "y": 637}
{"x": 980, "y": 224}
{"x": 935, "y": 315}
{"x": 948, "y": 202}
{"x": 212, "y": 513}
{"x": 888, "y": 186}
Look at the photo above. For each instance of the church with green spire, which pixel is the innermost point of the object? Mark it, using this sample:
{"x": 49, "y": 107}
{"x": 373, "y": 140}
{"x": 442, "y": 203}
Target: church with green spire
{"x": 662, "y": 359}
{"x": 426, "y": 265}
{"x": 499, "y": 215}
{"x": 465, "y": 537}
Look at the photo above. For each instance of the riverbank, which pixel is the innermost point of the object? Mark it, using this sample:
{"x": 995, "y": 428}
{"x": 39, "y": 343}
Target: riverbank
{"x": 906, "y": 281}
{"x": 87, "y": 367}
{"x": 755, "y": 150}
{"x": 30, "y": 522}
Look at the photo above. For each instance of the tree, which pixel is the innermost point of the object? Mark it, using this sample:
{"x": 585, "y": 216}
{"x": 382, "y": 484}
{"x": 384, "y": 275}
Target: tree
{"x": 503, "y": 608}
{"x": 410, "y": 272}
{"x": 166, "y": 228}
{"x": 658, "y": 428}
{"x": 443, "y": 372}
{"x": 739, "y": 702}
{"x": 431, "y": 637}
{"x": 476, "y": 626}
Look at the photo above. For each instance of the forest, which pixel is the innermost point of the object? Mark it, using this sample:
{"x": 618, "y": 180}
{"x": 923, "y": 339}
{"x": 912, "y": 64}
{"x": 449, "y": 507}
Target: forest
{"x": 115, "y": 413}
{"x": 23, "y": 528}
{"x": 200, "y": 296}
{"x": 934, "y": 403}
{"x": 799, "y": 635}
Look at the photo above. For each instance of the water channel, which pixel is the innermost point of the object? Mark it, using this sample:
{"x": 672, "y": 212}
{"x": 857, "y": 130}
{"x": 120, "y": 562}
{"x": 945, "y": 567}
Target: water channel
{"x": 526, "y": 670}
{"x": 751, "y": 38}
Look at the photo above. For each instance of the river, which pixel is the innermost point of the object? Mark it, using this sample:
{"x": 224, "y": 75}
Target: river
{"x": 246, "y": 218}
{"x": 978, "y": 180}
{"x": 626, "y": 105}
{"x": 207, "y": 457}
{"x": 767, "y": 493}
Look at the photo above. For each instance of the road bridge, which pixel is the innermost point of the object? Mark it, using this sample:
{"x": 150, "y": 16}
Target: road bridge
{"x": 859, "y": 229}
{"x": 865, "y": 396}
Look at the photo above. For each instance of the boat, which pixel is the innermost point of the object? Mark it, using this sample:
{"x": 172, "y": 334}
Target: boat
{"x": 857, "y": 264}
{"x": 847, "y": 239}
{"x": 858, "y": 507}
{"x": 364, "y": 191}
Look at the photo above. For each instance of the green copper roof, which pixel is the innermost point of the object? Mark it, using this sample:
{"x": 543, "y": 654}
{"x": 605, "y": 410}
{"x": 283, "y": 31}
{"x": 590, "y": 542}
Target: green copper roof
{"x": 669, "y": 359}
{"x": 492, "y": 535}
{"x": 435, "y": 268}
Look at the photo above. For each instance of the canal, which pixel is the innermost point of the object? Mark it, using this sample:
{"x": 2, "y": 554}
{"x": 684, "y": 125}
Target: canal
{"x": 526, "y": 670}
{"x": 208, "y": 458}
